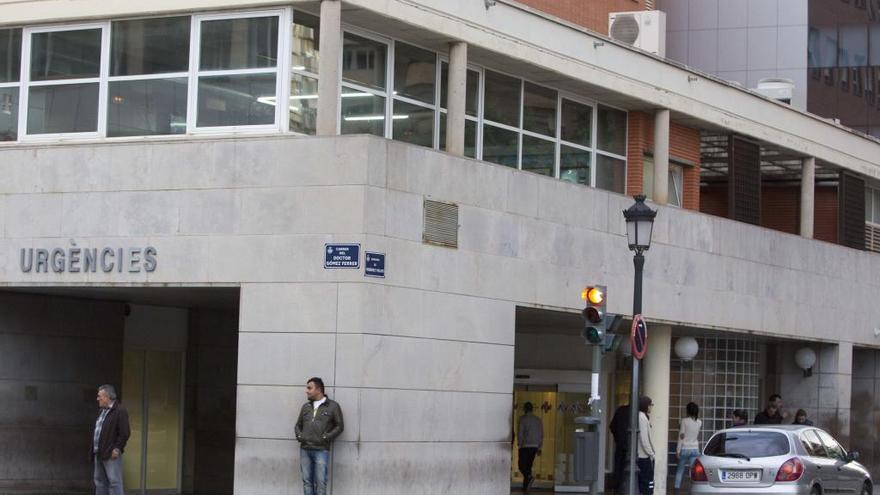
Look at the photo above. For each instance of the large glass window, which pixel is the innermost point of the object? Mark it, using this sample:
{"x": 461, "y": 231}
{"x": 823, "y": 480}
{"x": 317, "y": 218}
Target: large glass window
{"x": 612, "y": 130}
{"x": 303, "y": 108}
{"x": 364, "y": 92}
{"x": 362, "y": 113}
{"x": 149, "y": 69}
{"x": 470, "y": 136}
{"x": 853, "y": 46}
{"x": 64, "y": 72}
{"x": 676, "y": 181}
{"x": 575, "y": 165}
{"x": 502, "y": 99}
{"x": 472, "y": 90}
{"x": 610, "y": 173}
{"x": 364, "y": 61}
{"x": 500, "y": 145}
{"x": 577, "y": 123}
{"x": 10, "y": 71}
{"x": 237, "y": 83}
{"x": 539, "y": 109}
{"x": 415, "y": 79}
{"x": 872, "y": 205}
{"x": 538, "y": 155}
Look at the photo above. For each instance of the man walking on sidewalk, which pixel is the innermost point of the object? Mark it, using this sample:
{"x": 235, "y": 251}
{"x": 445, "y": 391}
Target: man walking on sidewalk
{"x": 319, "y": 423}
{"x": 529, "y": 438}
{"x": 108, "y": 442}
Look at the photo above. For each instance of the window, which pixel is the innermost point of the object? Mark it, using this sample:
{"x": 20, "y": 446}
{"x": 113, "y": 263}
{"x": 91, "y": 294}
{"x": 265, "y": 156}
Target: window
{"x": 676, "y": 180}
{"x": 472, "y": 109}
{"x": 10, "y": 71}
{"x": 576, "y": 133}
{"x": 63, "y": 80}
{"x": 236, "y": 81}
{"x": 611, "y": 149}
{"x": 415, "y": 77}
{"x": 812, "y": 444}
{"x": 149, "y": 74}
{"x": 835, "y": 451}
{"x": 749, "y": 444}
{"x": 364, "y": 95}
{"x": 872, "y": 205}
{"x": 303, "y": 111}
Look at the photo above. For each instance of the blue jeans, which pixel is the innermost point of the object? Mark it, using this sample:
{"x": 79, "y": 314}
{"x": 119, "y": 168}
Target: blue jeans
{"x": 314, "y": 465}
{"x": 108, "y": 476}
{"x": 685, "y": 459}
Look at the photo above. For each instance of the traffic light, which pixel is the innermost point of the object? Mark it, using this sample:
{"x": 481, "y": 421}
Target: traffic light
{"x": 594, "y": 314}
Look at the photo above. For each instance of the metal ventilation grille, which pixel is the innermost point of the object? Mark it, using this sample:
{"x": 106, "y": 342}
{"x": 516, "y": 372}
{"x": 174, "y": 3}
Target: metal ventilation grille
{"x": 441, "y": 223}
{"x": 649, "y": 4}
{"x": 625, "y": 28}
{"x": 872, "y": 237}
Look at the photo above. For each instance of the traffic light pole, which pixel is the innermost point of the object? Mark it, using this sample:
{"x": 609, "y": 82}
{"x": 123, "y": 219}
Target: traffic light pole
{"x": 596, "y": 409}
{"x": 639, "y": 263}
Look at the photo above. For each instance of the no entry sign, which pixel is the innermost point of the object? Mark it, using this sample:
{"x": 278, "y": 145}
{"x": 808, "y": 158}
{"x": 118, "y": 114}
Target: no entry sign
{"x": 638, "y": 337}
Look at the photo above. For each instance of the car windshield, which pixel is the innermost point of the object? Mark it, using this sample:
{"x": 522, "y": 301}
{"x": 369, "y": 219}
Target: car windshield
{"x": 749, "y": 444}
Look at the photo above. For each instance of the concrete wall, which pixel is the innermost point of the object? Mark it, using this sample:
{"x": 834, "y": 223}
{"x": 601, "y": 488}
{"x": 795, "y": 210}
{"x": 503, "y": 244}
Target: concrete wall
{"x": 410, "y": 355}
{"x": 741, "y": 40}
{"x": 866, "y": 407}
{"x": 54, "y": 352}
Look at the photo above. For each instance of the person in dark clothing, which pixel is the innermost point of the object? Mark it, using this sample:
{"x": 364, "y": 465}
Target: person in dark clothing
{"x": 800, "y": 418}
{"x": 772, "y": 414}
{"x": 740, "y": 418}
{"x": 108, "y": 442}
{"x": 319, "y": 423}
{"x": 619, "y": 428}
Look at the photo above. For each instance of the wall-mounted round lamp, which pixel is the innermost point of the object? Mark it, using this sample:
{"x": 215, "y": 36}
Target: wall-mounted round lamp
{"x": 805, "y": 359}
{"x": 686, "y": 348}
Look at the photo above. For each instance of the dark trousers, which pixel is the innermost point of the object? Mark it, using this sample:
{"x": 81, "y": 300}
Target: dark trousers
{"x": 646, "y": 476}
{"x": 526, "y": 459}
{"x": 620, "y": 461}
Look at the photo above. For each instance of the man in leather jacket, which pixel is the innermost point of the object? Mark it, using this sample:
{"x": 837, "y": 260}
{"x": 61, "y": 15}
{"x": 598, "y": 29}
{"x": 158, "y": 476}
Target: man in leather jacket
{"x": 319, "y": 423}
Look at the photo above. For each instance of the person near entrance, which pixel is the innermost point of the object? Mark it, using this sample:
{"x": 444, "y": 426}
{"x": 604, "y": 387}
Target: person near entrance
{"x": 319, "y": 423}
{"x": 740, "y": 418}
{"x": 688, "y": 447}
{"x": 108, "y": 442}
{"x": 647, "y": 453}
{"x": 530, "y": 437}
{"x": 620, "y": 431}
{"x": 772, "y": 414}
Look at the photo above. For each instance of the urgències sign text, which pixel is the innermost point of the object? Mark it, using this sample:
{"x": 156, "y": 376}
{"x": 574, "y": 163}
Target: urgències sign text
{"x": 88, "y": 259}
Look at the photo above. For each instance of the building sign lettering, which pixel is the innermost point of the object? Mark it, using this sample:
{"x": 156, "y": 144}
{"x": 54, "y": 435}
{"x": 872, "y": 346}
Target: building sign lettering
{"x": 88, "y": 260}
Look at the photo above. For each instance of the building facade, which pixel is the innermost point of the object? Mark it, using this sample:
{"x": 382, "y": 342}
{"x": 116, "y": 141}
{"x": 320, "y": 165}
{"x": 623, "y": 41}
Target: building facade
{"x": 169, "y": 227}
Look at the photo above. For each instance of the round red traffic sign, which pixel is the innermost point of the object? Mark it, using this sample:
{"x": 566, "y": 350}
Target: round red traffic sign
{"x": 638, "y": 337}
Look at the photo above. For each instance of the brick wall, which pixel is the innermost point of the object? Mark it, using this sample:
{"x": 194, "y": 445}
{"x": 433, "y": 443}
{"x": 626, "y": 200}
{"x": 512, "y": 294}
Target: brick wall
{"x": 591, "y": 14}
{"x": 684, "y": 145}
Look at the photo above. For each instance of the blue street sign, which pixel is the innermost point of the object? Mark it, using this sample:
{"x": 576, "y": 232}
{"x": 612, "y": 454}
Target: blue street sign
{"x": 374, "y": 264}
{"x": 342, "y": 255}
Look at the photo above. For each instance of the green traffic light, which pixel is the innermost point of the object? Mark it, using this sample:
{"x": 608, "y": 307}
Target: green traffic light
{"x": 594, "y": 335}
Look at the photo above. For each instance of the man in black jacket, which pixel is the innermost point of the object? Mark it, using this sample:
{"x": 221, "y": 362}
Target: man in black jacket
{"x": 108, "y": 442}
{"x": 773, "y": 414}
{"x": 319, "y": 423}
{"x": 620, "y": 431}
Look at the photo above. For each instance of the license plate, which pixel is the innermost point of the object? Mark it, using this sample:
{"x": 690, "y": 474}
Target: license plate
{"x": 735, "y": 476}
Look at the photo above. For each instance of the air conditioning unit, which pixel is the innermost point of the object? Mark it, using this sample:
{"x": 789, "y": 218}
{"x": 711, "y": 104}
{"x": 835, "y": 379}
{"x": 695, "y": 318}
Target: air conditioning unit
{"x": 643, "y": 29}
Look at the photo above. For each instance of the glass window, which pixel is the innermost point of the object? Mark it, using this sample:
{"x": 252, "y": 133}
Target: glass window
{"x": 538, "y": 155}
{"x": 147, "y": 107}
{"x": 539, "y": 109}
{"x": 244, "y": 99}
{"x": 247, "y": 43}
{"x": 415, "y": 72}
{"x": 610, "y": 174}
{"x": 876, "y": 205}
{"x": 10, "y": 55}
{"x": 577, "y": 123}
{"x": 831, "y": 446}
{"x": 303, "y": 110}
{"x": 150, "y": 46}
{"x": 413, "y": 124}
{"x": 470, "y": 136}
{"x": 574, "y": 165}
{"x": 675, "y": 181}
{"x": 822, "y": 46}
{"x": 502, "y": 99}
{"x": 306, "y": 36}
{"x": 869, "y": 195}
{"x": 63, "y": 108}
{"x": 8, "y": 114}
{"x": 874, "y": 50}
{"x": 612, "y": 130}
{"x": 362, "y": 113}
{"x": 363, "y": 61}
{"x": 853, "y": 46}
{"x": 749, "y": 444}
{"x": 66, "y": 54}
{"x": 472, "y": 89}
{"x": 500, "y": 145}
{"x": 812, "y": 444}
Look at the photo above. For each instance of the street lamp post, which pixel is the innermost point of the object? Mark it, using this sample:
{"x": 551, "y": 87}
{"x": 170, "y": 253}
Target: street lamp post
{"x": 639, "y": 225}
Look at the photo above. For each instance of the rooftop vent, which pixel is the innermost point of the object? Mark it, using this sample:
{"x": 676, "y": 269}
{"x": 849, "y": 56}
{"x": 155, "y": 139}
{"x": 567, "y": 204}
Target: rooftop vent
{"x": 778, "y": 88}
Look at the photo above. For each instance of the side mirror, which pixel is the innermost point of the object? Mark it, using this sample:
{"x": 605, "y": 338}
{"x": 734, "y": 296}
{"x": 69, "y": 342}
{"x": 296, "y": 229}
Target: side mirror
{"x": 852, "y": 456}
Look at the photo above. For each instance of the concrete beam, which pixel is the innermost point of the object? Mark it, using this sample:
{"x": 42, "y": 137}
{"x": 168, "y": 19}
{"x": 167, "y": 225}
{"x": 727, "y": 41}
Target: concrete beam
{"x": 661, "y": 157}
{"x": 656, "y": 386}
{"x": 808, "y": 196}
{"x": 456, "y": 99}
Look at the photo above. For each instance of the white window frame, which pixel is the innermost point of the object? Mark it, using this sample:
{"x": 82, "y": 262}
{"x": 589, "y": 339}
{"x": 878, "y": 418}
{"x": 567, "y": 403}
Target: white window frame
{"x": 593, "y": 129}
{"x": 282, "y": 88}
{"x": 16, "y": 84}
{"x": 26, "y": 83}
{"x": 295, "y": 71}
{"x": 389, "y": 62}
{"x": 147, "y": 77}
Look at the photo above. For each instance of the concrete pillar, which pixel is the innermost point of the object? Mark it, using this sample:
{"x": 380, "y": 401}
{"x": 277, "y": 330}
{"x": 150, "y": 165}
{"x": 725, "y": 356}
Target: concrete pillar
{"x": 456, "y": 98}
{"x": 661, "y": 157}
{"x": 329, "y": 67}
{"x": 808, "y": 196}
{"x": 656, "y": 386}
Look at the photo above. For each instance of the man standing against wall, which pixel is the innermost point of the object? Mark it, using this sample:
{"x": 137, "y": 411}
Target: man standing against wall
{"x": 319, "y": 423}
{"x": 108, "y": 442}
{"x": 773, "y": 414}
{"x": 530, "y": 437}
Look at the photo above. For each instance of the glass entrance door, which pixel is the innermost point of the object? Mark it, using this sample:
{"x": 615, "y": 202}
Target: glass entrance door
{"x": 152, "y": 386}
